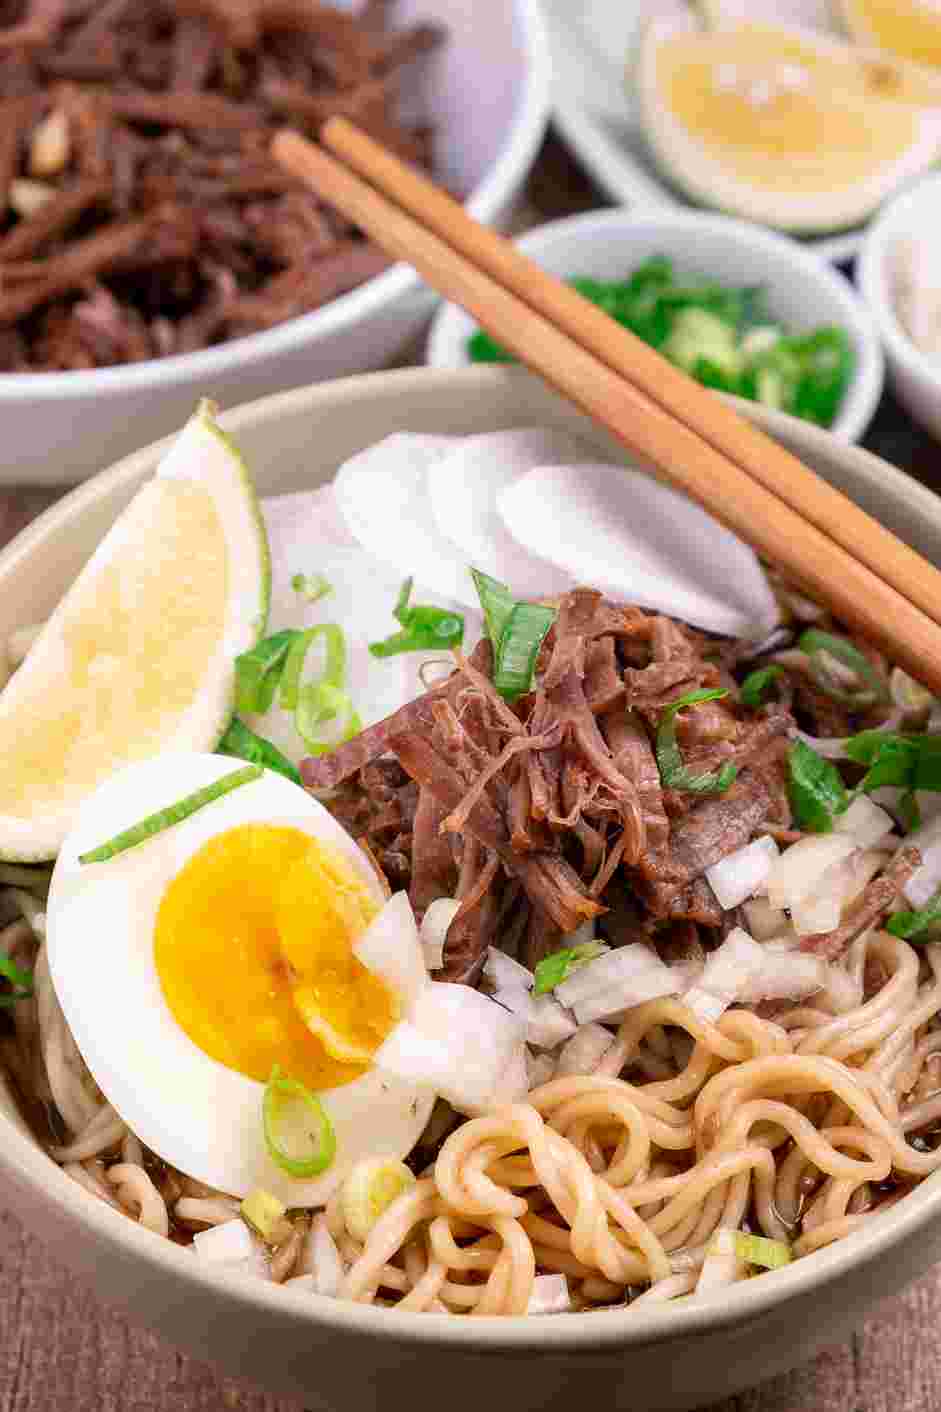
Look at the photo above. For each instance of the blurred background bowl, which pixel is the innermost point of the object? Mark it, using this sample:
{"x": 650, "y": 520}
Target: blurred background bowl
{"x": 488, "y": 96}
{"x": 914, "y": 375}
{"x": 803, "y": 291}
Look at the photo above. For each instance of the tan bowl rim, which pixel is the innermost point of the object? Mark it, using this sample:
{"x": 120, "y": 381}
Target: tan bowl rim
{"x": 616, "y": 1329}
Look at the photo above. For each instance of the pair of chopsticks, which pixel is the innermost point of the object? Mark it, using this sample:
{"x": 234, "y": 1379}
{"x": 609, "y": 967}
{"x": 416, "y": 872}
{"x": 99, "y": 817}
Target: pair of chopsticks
{"x": 820, "y": 539}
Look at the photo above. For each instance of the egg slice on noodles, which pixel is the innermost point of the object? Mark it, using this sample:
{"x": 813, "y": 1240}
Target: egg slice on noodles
{"x": 191, "y": 965}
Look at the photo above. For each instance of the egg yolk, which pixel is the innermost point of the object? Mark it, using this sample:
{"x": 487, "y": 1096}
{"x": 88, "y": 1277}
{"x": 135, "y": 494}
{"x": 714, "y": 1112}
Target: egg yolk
{"x": 253, "y": 948}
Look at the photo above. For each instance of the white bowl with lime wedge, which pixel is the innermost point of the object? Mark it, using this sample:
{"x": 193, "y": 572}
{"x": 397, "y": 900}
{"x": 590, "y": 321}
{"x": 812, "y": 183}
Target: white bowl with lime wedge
{"x": 331, "y": 1353}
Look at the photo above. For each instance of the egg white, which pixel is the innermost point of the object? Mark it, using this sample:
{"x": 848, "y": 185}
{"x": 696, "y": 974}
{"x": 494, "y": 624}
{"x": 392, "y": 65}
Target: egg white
{"x": 197, "y": 1114}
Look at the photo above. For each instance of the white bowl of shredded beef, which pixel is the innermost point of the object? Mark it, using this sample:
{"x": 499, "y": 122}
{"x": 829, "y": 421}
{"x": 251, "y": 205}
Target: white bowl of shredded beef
{"x": 393, "y": 782}
{"x": 148, "y": 241}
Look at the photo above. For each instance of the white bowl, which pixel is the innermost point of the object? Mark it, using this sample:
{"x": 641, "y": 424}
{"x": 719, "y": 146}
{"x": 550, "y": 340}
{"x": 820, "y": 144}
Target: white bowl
{"x": 488, "y": 94}
{"x": 915, "y": 378}
{"x": 803, "y": 291}
{"x": 352, "y": 1358}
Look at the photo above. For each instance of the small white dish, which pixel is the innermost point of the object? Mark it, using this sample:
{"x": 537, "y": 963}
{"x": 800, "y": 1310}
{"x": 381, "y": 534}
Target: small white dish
{"x": 915, "y": 375}
{"x": 803, "y": 292}
{"x": 487, "y": 90}
{"x": 591, "y": 46}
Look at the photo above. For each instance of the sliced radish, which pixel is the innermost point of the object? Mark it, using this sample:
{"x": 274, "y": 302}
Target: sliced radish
{"x": 630, "y": 536}
{"x": 799, "y": 869}
{"x": 382, "y": 496}
{"x": 728, "y": 971}
{"x": 463, "y": 489}
{"x": 584, "y": 1051}
{"x": 864, "y": 821}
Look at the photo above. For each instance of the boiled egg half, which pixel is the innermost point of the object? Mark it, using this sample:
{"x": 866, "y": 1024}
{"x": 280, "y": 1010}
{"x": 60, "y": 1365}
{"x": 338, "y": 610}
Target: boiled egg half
{"x": 191, "y": 964}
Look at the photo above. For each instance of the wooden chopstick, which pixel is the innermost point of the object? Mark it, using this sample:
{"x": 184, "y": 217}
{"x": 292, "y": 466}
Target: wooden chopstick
{"x": 684, "y": 398}
{"x": 814, "y": 561}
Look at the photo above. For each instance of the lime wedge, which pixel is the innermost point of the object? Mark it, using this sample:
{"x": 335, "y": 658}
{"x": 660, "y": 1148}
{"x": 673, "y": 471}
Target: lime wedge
{"x": 139, "y": 656}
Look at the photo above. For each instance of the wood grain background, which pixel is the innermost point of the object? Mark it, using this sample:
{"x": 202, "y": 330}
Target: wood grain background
{"x": 62, "y": 1348}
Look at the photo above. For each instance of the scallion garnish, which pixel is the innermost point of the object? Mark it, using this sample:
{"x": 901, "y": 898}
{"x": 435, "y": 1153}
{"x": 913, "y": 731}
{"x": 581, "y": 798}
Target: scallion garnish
{"x": 517, "y": 631}
{"x": 174, "y": 814}
{"x": 908, "y": 811}
{"x": 759, "y": 1250}
{"x": 291, "y": 1111}
{"x": 334, "y": 669}
{"x": 258, "y": 672}
{"x": 757, "y": 684}
{"x": 913, "y": 926}
{"x": 20, "y": 979}
{"x": 424, "y": 628}
{"x": 673, "y": 773}
{"x": 243, "y": 744}
{"x": 553, "y": 970}
{"x": 325, "y": 717}
{"x": 816, "y": 789}
{"x": 819, "y": 646}
{"x": 313, "y": 587}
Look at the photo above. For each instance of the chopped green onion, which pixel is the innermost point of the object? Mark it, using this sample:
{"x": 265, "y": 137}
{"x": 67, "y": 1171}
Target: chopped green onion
{"x": 496, "y": 602}
{"x": 912, "y": 926}
{"x": 553, "y": 970}
{"x": 891, "y": 759}
{"x": 757, "y": 684}
{"x": 369, "y": 1190}
{"x": 517, "y": 631}
{"x": 334, "y": 670}
{"x": 816, "y": 789}
{"x": 673, "y": 773}
{"x": 243, "y": 744}
{"x": 313, "y": 587}
{"x": 19, "y": 978}
{"x": 175, "y": 814}
{"x": 258, "y": 672}
{"x": 928, "y": 763}
{"x": 424, "y": 628}
{"x": 759, "y": 1250}
{"x": 908, "y": 811}
{"x": 516, "y": 656}
{"x": 818, "y": 645}
{"x": 323, "y": 704}
{"x": 265, "y": 1214}
{"x": 290, "y": 1110}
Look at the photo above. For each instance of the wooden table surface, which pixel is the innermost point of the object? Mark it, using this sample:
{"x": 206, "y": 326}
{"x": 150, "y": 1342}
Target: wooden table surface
{"x": 62, "y": 1348}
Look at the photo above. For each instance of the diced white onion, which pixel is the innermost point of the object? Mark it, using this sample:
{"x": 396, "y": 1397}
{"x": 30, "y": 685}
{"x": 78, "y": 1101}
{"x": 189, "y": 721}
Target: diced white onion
{"x": 842, "y": 991}
{"x": 890, "y": 797}
{"x": 457, "y": 1041}
{"x": 516, "y": 1000}
{"x": 389, "y": 947}
{"x": 798, "y": 870}
{"x": 549, "y": 1022}
{"x": 328, "y": 1267}
{"x": 226, "y": 1243}
{"x": 503, "y": 971}
{"x": 584, "y": 1051}
{"x": 764, "y": 921}
{"x": 864, "y": 821}
{"x": 618, "y": 971}
{"x": 540, "y": 1068}
{"x": 822, "y": 909}
{"x": 434, "y": 930}
{"x": 924, "y": 881}
{"x": 729, "y": 970}
{"x": 722, "y": 1265}
{"x": 785, "y": 974}
{"x": 741, "y": 874}
{"x": 550, "y": 1295}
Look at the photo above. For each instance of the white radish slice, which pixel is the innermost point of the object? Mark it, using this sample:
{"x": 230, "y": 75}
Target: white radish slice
{"x": 382, "y": 494}
{"x": 463, "y": 488}
{"x": 361, "y": 598}
{"x": 623, "y": 532}
{"x": 391, "y": 949}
